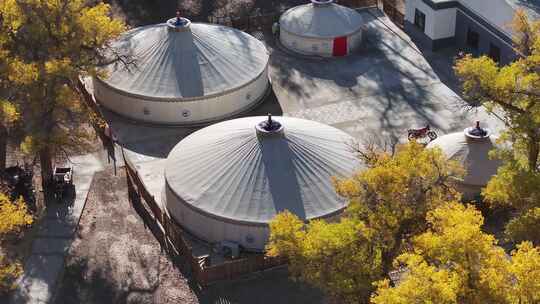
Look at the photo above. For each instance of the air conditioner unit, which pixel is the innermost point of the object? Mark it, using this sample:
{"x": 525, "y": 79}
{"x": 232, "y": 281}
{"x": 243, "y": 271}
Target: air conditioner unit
{"x": 230, "y": 249}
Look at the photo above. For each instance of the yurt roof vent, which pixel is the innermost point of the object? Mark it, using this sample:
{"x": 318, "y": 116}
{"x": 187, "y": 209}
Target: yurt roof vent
{"x": 477, "y": 132}
{"x": 322, "y": 2}
{"x": 269, "y": 127}
{"x": 178, "y": 23}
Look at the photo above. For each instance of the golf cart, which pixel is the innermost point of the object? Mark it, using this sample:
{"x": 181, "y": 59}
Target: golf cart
{"x": 62, "y": 181}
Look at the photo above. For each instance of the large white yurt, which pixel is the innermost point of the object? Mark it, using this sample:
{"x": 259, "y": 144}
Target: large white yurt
{"x": 321, "y": 28}
{"x": 227, "y": 181}
{"x": 471, "y": 149}
{"x": 184, "y": 73}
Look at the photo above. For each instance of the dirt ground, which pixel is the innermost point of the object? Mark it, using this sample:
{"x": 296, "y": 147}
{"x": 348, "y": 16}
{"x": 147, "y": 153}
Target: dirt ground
{"x": 114, "y": 259}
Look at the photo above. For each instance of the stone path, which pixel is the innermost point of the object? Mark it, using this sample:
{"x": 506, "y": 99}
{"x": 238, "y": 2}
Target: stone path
{"x": 55, "y": 235}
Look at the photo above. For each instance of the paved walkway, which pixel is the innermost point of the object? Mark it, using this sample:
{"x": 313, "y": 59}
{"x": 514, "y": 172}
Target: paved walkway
{"x": 55, "y": 234}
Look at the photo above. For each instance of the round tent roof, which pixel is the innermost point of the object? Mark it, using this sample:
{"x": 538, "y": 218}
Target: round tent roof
{"x": 235, "y": 172}
{"x": 321, "y": 19}
{"x": 186, "y": 60}
{"x": 471, "y": 149}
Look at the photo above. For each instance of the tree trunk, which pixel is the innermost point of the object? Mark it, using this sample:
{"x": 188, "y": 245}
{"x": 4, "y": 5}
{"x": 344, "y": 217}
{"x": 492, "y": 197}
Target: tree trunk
{"x": 3, "y": 147}
{"x": 534, "y": 150}
{"x": 45, "y": 160}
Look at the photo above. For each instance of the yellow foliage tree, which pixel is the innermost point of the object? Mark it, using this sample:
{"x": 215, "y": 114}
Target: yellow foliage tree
{"x": 13, "y": 217}
{"x": 513, "y": 91}
{"x": 9, "y": 272}
{"x": 338, "y": 258}
{"x": 46, "y": 45}
{"x": 456, "y": 262}
{"x": 388, "y": 204}
{"x": 393, "y": 196}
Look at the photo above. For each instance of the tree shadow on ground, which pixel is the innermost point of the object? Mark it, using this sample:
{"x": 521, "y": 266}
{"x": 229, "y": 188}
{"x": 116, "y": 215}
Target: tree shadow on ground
{"x": 271, "y": 287}
{"x": 388, "y": 81}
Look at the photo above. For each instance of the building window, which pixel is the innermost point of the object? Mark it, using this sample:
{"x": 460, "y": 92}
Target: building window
{"x": 473, "y": 38}
{"x": 494, "y": 52}
{"x": 420, "y": 19}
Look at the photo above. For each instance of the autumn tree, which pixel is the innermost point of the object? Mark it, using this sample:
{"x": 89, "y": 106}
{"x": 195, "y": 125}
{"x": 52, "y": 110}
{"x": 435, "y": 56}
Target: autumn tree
{"x": 14, "y": 216}
{"x": 512, "y": 92}
{"x": 456, "y": 262}
{"x": 47, "y": 45}
{"x": 388, "y": 205}
{"x": 8, "y": 115}
{"x": 340, "y": 259}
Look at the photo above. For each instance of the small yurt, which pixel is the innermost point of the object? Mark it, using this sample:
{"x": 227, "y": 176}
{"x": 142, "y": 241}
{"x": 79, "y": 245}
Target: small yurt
{"x": 226, "y": 182}
{"x": 471, "y": 149}
{"x": 321, "y": 28}
{"x": 184, "y": 73}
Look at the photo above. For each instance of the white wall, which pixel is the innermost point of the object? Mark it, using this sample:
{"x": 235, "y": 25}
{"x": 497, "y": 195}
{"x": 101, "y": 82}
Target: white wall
{"x": 317, "y": 46}
{"x": 164, "y": 112}
{"x": 439, "y": 24}
{"x": 214, "y": 230}
{"x": 354, "y": 41}
{"x": 305, "y": 45}
{"x": 444, "y": 23}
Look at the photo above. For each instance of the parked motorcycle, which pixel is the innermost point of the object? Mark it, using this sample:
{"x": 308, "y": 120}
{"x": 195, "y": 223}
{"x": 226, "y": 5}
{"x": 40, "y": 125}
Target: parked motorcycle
{"x": 414, "y": 134}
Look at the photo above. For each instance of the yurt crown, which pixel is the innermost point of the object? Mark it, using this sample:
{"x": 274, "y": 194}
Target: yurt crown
{"x": 477, "y": 132}
{"x": 178, "y": 23}
{"x": 269, "y": 126}
{"x": 322, "y": 2}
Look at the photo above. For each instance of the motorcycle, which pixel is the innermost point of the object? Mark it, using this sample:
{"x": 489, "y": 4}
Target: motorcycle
{"x": 413, "y": 134}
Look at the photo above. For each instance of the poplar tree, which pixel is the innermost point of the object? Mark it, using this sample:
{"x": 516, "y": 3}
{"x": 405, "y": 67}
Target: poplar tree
{"x": 513, "y": 92}
{"x": 46, "y": 45}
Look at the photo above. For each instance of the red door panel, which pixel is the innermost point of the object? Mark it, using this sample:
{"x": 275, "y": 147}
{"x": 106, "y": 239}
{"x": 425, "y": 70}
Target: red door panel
{"x": 340, "y": 46}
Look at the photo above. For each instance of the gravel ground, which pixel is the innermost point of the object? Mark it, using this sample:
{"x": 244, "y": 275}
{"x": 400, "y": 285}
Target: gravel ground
{"x": 114, "y": 259}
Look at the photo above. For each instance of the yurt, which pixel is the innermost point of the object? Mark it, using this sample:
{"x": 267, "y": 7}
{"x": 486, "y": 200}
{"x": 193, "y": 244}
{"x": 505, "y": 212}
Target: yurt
{"x": 471, "y": 149}
{"x": 184, "y": 73}
{"x": 227, "y": 181}
{"x": 321, "y": 28}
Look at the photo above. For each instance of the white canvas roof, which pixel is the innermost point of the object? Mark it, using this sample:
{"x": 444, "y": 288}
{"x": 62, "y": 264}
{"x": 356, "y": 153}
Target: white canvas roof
{"x": 326, "y": 20}
{"x": 198, "y": 62}
{"x": 231, "y": 172}
{"x": 472, "y": 153}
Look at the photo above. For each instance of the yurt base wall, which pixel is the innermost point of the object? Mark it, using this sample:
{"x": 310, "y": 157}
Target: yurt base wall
{"x": 183, "y": 112}
{"x": 354, "y": 41}
{"x": 212, "y": 229}
{"x": 316, "y": 46}
{"x": 307, "y": 46}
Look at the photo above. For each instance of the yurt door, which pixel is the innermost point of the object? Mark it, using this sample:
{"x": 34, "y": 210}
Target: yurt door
{"x": 340, "y": 46}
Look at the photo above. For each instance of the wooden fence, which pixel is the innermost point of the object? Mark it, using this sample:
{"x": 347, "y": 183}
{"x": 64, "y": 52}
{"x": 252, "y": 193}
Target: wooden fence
{"x": 393, "y": 13}
{"x": 170, "y": 236}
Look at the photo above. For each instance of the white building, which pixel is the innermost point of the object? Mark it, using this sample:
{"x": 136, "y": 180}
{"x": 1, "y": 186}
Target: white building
{"x": 185, "y": 73}
{"x": 471, "y": 149}
{"x": 476, "y": 26}
{"x": 226, "y": 182}
{"x": 321, "y": 28}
